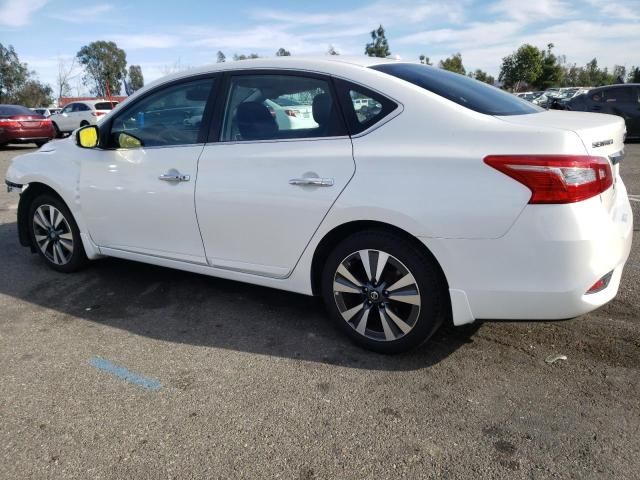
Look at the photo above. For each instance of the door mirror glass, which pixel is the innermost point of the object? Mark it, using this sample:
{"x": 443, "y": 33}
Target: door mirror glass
{"x": 126, "y": 140}
{"x": 88, "y": 137}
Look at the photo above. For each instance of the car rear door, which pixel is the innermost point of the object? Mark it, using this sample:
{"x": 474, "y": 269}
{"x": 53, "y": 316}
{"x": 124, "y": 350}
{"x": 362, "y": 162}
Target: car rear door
{"x": 264, "y": 188}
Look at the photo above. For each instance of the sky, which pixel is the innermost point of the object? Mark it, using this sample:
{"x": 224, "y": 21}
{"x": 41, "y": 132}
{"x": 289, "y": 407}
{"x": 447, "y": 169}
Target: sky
{"x": 164, "y": 35}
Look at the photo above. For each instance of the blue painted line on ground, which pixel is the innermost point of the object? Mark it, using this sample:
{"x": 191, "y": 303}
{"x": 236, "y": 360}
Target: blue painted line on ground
{"x": 125, "y": 374}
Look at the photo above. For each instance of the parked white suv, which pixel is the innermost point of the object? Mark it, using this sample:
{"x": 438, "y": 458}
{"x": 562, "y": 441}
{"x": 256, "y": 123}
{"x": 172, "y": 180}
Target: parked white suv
{"x": 80, "y": 114}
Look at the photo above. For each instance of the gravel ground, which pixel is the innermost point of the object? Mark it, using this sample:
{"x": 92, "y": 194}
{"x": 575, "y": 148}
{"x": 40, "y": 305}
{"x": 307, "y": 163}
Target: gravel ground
{"x": 256, "y": 383}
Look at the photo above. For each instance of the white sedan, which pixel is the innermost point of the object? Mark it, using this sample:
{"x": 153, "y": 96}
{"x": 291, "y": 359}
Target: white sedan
{"x": 450, "y": 199}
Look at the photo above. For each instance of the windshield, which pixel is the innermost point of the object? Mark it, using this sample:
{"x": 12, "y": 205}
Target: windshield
{"x": 465, "y": 91}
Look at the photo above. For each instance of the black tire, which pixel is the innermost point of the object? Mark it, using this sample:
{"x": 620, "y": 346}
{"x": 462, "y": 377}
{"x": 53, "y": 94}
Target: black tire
{"x": 58, "y": 132}
{"x": 41, "y": 143}
{"x": 404, "y": 257}
{"x": 73, "y": 260}
{"x": 84, "y": 123}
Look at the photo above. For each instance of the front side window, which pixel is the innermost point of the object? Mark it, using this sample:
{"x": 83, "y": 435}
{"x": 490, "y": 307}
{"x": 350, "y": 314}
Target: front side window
{"x": 171, "y": 116}
{"x": 271, "y": 107}
{"x": 465, "y": 91}
{"x": 68, "y": 108}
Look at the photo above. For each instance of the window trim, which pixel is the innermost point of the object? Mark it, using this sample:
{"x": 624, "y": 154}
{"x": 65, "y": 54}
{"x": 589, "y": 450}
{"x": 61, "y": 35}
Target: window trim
{"x": 215, "y": 130}
{"x": 105, "y": 128}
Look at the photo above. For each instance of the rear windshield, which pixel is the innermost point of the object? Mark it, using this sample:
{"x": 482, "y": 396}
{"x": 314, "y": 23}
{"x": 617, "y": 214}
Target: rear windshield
{"x": 465, "y": 91}
{"x": 106, "y": 105}
{"x": 14, "y": 110}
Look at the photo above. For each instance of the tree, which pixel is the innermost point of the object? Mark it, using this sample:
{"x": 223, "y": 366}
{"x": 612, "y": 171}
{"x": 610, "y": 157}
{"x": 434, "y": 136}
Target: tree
{"x": 13, "y": 73}
{"x": 453, "y": 64}
{"x": 634, "y": 75}
{"x": 136, "y": 80}
{"x": 379, "y": 46}
{"x": 283, "y": 53}
{"x": 425, "y": 60}
{"x": 524, "y": 66}
{"x": 619, "y": 73}
{"x": 66, "y": 73}
{"x": 482, "y": 76}
{"x": 221, "y": 57}
{"x": 552, "y": 73}
{"x": 332, "y": 51}
{"x": 245, "y": 57}
{"x": 105, "y": 66}
{"x": 34, "y": 94}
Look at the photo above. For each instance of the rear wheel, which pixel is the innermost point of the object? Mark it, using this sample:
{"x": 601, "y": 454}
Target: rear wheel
{"x": 84, "y": 123}
{"x": 55, "y": 234}
{"x": 383, "y": 292}
{"x": 58, "y": 132}
{"x": 40, "y": 143}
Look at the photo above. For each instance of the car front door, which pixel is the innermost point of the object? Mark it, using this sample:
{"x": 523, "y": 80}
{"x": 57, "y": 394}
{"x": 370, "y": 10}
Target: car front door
{"x": 137, "y": 191}
{"x": 265, "y": 184}
{"x": 64, "y": 119}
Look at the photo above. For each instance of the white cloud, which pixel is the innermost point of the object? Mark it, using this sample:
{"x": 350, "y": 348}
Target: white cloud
{"x": 84, "y": 14}
{"x": 17, "y": 13}
{"x": 527, "y": 11}
{"x": 137, "y": 41}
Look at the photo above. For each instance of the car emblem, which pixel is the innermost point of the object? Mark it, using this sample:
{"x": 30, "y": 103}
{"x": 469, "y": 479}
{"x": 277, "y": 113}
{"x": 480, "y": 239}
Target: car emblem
{"x": 602, "y": 143}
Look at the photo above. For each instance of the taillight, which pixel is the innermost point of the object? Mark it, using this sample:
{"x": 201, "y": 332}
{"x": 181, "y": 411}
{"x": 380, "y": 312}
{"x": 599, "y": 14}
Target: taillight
{"x": 556, "y": 178}
{"x": 97, "y": 114}
{"x": 8, "y": 122}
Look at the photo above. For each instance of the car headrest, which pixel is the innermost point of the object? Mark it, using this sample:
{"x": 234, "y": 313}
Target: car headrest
{"x": 255, "y": 121}
{"x": 321, "y": 109}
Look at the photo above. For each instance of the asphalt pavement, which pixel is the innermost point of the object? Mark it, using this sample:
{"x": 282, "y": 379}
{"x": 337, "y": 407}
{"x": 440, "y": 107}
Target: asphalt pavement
{"x": 129, "y": 371}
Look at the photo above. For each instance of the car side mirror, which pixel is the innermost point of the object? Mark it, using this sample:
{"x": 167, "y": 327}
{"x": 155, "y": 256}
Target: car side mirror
{"x": 88, "y": 137}
{"x": 126, "y": 140}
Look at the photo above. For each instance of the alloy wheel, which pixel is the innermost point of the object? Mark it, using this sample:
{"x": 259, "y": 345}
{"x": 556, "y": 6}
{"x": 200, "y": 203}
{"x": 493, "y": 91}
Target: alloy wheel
{"x": 53, "y": 234}
{"x": 377, "y": 295}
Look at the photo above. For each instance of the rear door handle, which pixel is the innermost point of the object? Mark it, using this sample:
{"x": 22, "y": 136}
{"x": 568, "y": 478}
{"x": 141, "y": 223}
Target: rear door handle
{"x": 315, "y": 181}
{"x": 174, "y": 177}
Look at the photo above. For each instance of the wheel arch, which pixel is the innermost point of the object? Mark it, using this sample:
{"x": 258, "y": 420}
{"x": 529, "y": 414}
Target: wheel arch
{"x": 33, "y": 191}
{"x": 337, "y": 234}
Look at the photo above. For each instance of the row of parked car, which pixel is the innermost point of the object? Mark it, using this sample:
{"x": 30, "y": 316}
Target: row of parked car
{"x": 20, "y": 124}
{"x": 622, "y": 100}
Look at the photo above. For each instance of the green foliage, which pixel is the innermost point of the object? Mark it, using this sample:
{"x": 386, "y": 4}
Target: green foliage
{"x": 283, "y": 53}
{"x": 332, "y": 51}
{"x": 425, "y": 60}
{"x": 17, "y": 84}
{"x": 552, "y": 73}
{"x": 634, "y": 75}
{"x": 245, "y": 57}
{"x": 482, "y": 76}
{"x": 136, "y": 80}
{"x": 105, "y": 66}
{"x": 221, "y": 57}
{"x": 34, "y": 94}
{"x": 379, "y": 46}
{"x": 453, "y": 64}
{"x": 13, "y": 74}
{"x": 523, "y": 67}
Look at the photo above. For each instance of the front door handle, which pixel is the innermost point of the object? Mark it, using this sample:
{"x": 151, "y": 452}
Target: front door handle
{"x": 315, "y": 181}
{"x": 174, "y": 177}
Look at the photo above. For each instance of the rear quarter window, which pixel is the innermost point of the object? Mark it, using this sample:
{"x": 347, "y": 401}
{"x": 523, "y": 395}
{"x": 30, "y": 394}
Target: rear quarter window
{"x": 105, "y": 105}
{"x": 465, "y": 91}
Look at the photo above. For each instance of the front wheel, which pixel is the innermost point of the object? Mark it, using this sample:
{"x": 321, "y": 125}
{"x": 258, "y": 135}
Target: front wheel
{"x": 55, "y": 234}
{"x": 383, "y": 291}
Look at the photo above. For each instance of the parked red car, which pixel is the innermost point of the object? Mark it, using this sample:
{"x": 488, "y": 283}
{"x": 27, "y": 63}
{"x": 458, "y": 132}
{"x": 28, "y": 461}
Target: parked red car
{"x": 21, "y": 125}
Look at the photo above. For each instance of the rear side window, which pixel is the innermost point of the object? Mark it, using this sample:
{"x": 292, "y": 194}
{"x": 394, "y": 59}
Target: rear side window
{"x": 618, "y": 95}
{"x": 105, "y": 105}
{"x": 362, "y": 107}
{"x": 465, "y": 91}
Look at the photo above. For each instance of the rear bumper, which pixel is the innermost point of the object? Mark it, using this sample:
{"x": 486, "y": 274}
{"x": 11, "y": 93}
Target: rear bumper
{"x": 23, "y": 135}
{"x": 543, "y": 267}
